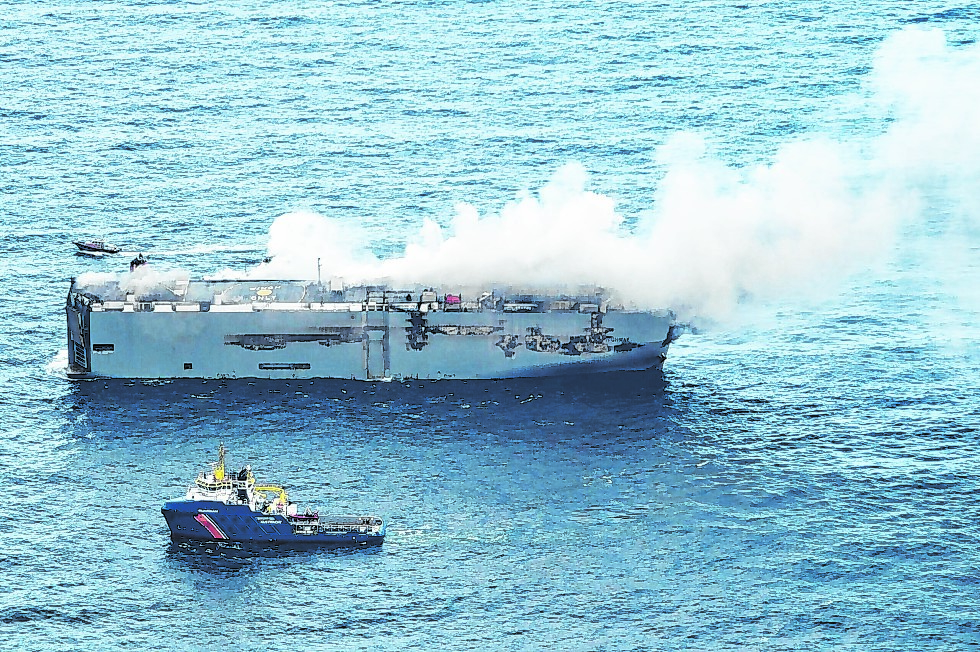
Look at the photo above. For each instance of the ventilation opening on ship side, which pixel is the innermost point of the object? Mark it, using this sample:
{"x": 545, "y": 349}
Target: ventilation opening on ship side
{"x": 279, "y": 366}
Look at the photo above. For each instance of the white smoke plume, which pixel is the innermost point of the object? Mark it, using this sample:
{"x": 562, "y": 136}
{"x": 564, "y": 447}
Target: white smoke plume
{"x": 304, "y": 245}
{"x": 933, "y": 146}
{"x": 714, "y": 235}
{"x": 143, "y": 282}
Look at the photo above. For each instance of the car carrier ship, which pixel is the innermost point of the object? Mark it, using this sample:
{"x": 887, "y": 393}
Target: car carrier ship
{"x": 272, "y": 329}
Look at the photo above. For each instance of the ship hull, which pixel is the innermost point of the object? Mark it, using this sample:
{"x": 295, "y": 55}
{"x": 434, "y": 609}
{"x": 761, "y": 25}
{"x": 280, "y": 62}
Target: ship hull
{"x": 215, "y": 521}
{"x": 354, "y": 340}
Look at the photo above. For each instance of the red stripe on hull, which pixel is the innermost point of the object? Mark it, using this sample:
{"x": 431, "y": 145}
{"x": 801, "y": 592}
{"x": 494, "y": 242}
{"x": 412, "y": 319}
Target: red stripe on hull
{"x": 211, "y": 526}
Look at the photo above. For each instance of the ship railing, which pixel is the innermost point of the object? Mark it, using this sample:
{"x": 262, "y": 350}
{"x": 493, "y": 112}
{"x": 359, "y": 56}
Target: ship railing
{"x": 347, "y": 529}
{"x": 367, "y": 525}
{"x": 386, "y": 302}
{"x": 214, "y": 485}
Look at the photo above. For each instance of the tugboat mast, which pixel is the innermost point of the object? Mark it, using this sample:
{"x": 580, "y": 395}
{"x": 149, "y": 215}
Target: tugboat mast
{"x": 219, "y": 470}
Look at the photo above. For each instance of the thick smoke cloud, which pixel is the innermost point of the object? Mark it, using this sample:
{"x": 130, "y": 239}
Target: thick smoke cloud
{"x": 932, "y": 90}
{"x": 714, "y": 236}
{"x": 933, "y": 93}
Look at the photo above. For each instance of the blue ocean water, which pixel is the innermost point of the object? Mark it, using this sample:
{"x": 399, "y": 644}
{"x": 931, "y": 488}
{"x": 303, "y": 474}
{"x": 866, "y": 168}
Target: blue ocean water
{"x": 801, "y": 475}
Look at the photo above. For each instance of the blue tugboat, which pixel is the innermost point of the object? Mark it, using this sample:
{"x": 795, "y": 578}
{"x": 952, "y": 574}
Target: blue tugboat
{"x": 231, "y": 507}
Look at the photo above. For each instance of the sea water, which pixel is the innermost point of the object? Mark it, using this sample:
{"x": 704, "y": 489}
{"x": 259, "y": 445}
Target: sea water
{"x": 801, "y": 475}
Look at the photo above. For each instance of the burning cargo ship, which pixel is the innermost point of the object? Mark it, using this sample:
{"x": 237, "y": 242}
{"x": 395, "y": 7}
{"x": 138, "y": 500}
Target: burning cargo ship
{"x": 272, "y": 329}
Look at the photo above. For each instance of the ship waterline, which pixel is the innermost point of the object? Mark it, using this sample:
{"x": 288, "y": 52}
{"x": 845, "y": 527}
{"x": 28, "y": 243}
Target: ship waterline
{"x": 302, "y": 329}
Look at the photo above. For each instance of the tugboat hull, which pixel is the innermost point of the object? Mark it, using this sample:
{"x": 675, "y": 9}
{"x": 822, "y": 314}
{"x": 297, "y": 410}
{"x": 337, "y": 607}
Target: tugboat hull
{"x": 215, "y": 521}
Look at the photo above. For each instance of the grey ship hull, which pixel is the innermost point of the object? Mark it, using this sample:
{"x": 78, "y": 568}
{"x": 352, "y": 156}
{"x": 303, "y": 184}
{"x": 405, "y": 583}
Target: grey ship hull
{"x": 248, "y": 329}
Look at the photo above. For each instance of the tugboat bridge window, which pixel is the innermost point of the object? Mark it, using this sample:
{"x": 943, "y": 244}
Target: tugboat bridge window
{"x": 188, "y": 365}
{"x": 103, "y": 348}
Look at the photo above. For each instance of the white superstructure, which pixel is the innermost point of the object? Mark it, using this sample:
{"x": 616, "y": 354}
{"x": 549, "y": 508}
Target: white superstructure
{"x": 302, "y": 329}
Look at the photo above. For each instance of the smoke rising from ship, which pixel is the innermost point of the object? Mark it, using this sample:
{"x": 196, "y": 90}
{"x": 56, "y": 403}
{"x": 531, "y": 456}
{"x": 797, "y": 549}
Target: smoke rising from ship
{"x": 714, "y": 235}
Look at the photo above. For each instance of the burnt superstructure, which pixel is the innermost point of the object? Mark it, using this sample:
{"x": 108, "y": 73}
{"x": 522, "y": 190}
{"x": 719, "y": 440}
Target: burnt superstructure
{"x": 241, "y": 328}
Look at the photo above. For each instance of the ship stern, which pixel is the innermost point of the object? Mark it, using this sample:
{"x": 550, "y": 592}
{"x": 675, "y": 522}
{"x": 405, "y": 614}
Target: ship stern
{"x": 77, "y": 313}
